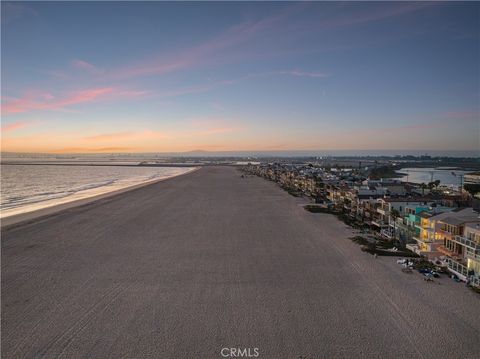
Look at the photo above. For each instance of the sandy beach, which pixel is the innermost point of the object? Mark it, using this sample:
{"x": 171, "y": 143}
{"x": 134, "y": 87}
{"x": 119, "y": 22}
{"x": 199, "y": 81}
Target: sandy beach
{"x": 47, "y": 208}
{"x": 185, "y": 267}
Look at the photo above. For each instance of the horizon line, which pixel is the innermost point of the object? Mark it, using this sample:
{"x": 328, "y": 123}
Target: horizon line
{"x": 391, "y": 152}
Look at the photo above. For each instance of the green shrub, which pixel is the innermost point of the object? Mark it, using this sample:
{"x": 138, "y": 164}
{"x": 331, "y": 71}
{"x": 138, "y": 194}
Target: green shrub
{"x": 359, "y": 240}
{"x": 316, "y": 209}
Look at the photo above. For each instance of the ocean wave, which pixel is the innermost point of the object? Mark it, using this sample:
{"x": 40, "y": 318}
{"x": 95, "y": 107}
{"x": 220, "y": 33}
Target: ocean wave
{"x": 26, "y": 187}
{"x": 17, "y": 201}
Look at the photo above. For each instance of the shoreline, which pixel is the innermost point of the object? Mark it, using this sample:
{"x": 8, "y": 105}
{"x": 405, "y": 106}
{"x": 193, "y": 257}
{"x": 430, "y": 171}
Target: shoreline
{"x": 208, "y": 250}
{"x": 19, "y": 218}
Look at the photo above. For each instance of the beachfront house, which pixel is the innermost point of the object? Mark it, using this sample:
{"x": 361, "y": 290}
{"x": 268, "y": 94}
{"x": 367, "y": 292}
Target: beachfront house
{"x": 390, "y": 209}
{"x": 461, "y": 246}
{"x": 435, "y": 229}
{"x": 408, "y": 224}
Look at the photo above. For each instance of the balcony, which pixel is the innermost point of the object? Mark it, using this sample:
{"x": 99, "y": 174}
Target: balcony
{"x": 411, "y": 223}
{"x": 444, "y": 232}
{"x": 382, "y": 211}
{"x": 420, "y": 226}
{"x": 387, "y": 233}
{"x": 466, "y": 242}
{"x": 400, "y": 225}
{"x": 424, "y": 240}
{"x": 457, "y": 267}
{"x": 473, "y": 256}
{"x": 416, "y": 249}
{"x": 379, "y": 223}
{"x": 447, "y": 251}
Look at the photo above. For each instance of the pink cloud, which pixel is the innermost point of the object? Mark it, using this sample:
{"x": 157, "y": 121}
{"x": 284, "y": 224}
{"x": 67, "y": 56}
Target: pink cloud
{"x": 86, "y": 66}
{"x": 109, "y": 136}
{"x": 45, "y": 101}
{"x": 131, "y": 93}
{"x": 187, "y": 90}
{"x": 14, "y": 126}
{"x": 303, "y": 73}
{"x": 462, "y": 115}
{"x": 28, "y": 103}
{"x": 298, "y": 73}
{"x": 212, "y": 126}
{"x": 200, "y": 54}
{"x": 203, "y": 52}
{"x": 212, "y": 85}
{"x": 101, "y": 149}
{"x": 128, "y": 135}
{"x": 81, "y": 96}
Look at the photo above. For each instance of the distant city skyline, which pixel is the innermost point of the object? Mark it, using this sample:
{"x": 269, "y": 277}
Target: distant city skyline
{"x": 242, "y": 76}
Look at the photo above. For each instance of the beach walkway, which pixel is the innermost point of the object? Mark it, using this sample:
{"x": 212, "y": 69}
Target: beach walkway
{"x": 209, "y": 260}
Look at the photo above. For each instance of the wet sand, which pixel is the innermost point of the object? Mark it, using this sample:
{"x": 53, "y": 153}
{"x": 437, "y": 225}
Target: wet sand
{"x": 48, "y": 208}
{"x": 185, "y": 267}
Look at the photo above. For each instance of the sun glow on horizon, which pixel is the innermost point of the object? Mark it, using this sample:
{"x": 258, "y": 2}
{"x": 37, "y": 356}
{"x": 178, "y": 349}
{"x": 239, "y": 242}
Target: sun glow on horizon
{"x": 290, "y": 76}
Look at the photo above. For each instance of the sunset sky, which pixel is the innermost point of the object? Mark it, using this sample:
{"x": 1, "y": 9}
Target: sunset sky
{"x": 166, "y": 77}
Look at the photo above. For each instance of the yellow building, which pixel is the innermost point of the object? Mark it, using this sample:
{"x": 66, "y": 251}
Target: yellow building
{"x": 434, "y": 230}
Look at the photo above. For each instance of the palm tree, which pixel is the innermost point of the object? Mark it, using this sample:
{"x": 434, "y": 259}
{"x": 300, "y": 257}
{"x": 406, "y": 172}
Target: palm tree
{"x": 394, "y": 213}
{"x": 423, "y": 186}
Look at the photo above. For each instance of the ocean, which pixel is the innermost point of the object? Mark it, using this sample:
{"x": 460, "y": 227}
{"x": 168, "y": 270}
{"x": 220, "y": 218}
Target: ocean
{"x": 27, "y": 187}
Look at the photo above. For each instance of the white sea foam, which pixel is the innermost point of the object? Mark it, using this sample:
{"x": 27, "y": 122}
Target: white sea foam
{"x": 27, "y": 188}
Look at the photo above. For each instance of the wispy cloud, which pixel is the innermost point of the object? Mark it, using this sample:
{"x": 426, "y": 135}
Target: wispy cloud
{"x": 186, "y": 90}
{"x": 297, "y": 73}
{"x": 46, "y": 101}
{"x": 227, "y": 82}
{"x": 86, "y": 66}
{"x": 205, "y": 52}
{"x": 300, "y": 73}
{"x": 195, "y": 128}
{"x": 14, "y": 10}
{"x": 216, "y": 131}
{"x": 14, "y": 126}
{"x": 365, "y": 14}
{"x": 88, "y": 149}
{"x": 109, "y": 136}
{"x": 462, "y": 115}
{"x": 212, "y": 126}
{"x": 127, "y": 135}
